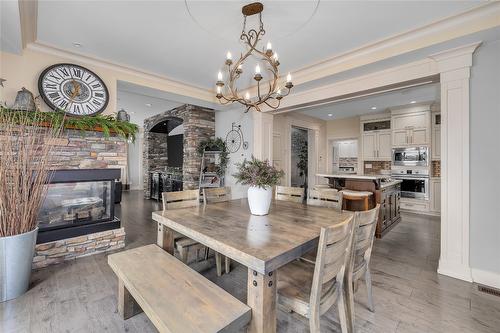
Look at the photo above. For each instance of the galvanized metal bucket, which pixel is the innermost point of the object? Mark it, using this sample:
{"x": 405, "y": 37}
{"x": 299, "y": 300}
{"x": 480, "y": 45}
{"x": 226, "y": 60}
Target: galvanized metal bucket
{"x": 16, "y": 256}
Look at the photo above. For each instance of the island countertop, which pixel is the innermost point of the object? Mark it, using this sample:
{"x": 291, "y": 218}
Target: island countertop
{"x": 351, "y": 176}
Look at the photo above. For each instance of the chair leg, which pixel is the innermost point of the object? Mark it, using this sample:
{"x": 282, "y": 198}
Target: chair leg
{"x": 368, "y": 281}
{"x": 342, "y": 310}
{"x": 366, "y": 203}
{"x": 218, "y": 263}
{"x": 314, "y": 323}
{"x": 228, "y": 265}
{"x": 206, "y": 253}
{"x": 183, "y": 252}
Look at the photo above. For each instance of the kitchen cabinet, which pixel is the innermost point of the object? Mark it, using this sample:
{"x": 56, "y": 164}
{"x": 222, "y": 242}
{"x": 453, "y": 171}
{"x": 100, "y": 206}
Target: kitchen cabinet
{"x": 411, "y": 126}
{"x": 377, "y": 145}
{"x": 348, "y": 149}
{"x": 389, "y": 208}
{"x": 436, "y": 136}
{"x": 435, "y": 185}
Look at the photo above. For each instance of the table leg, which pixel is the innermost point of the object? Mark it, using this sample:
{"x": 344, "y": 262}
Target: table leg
{"x": 165, "y": 238}
{"x": 261, "y": 298}
{"x": 349, "y": 295}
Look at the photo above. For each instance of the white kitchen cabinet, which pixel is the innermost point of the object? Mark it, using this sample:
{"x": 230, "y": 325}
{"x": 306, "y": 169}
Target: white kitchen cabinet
{"x": 436, "y": 136}
{"x": 435, "y": 186}
{"x": 348, "y": 149}
{"x": 411, "y": 126}
{"x": 377, "y": 145}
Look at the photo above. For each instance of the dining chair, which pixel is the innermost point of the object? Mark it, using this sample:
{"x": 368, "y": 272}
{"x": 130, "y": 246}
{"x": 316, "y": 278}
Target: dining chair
{"x": 311, "y": 289}
{"x": 287, "y": 193}
{"x": 183, "y": 199}
{"x": 366, "y": 223}
{"x": 214, "y": 195}
{"x": 330, "y": 198}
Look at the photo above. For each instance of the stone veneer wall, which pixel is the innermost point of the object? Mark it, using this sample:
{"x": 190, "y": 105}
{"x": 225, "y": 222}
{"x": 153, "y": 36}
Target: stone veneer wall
{"x": 199, "y": 125}
{"x": 62, "y": 250}
{"x": 89, "y": 150}
{"x": 377, "y": 166}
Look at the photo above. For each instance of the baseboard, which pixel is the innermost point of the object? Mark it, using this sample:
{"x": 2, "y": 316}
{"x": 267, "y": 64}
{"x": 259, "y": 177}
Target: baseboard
{"x": 460, "y": 272}
{"x": 486, "y": 278}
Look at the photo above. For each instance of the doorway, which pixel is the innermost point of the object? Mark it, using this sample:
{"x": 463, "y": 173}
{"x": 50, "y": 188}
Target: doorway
{"x": 299, "y": 157}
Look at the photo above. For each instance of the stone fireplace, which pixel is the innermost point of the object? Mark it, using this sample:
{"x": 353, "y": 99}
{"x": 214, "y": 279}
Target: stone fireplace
{"x": 198, "y": 125}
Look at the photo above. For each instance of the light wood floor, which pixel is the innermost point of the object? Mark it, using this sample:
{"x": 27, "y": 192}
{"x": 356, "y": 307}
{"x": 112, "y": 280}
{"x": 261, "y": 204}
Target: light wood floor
{"x": 80, "y": 296}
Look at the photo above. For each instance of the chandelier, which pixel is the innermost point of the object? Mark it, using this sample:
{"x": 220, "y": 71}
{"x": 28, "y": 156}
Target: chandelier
{"x": 270, "y": 96}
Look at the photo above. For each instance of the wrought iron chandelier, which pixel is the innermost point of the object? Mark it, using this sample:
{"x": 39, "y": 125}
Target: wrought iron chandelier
{"x": 271, "y": 97}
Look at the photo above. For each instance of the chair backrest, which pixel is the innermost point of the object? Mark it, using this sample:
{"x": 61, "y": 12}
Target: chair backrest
{"x": 334, "y": 249}
{"x": 219, "y": 194}
{"x": 325, "y": 198}
{"x": 180, "y": 199}
{"x": 287, "y": 193}
{"x": 366, "y": 223}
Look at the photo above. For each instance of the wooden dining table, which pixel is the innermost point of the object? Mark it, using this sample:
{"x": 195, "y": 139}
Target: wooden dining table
{"x": 261, "y": 243}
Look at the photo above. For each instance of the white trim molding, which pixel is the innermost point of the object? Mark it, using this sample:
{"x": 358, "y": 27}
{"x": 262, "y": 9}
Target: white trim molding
{"x": 454, "y": 67}
{"x": 263, "y": 135}
{"x": 486, "y": 278}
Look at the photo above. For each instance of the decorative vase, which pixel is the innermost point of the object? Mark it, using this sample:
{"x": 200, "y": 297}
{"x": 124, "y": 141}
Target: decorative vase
{"x": 259, "y": 199}
{"x": 16, "y": 256}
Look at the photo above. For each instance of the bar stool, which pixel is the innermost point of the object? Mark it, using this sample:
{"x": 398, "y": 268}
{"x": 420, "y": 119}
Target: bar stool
{"x": 357, "y": 196}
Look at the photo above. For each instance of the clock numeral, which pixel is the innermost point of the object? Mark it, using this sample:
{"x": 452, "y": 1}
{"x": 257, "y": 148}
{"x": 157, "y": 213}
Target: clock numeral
{"x": 57, "y": 78}
{"x": 55, "y": 96}
{"x": 76, "y": 108}
{"x": 50, "y": 86}
{"x": 64, "y": 71}
{"x": 89, "y": 76}
{"x": 96, "y": 102}
{"x": 97, "y": 85}
{"x": 77, "y": 72}
{"x": 63, "y": 104}
{"x": 89, "y": 107}
{"x": 101, "y": 95}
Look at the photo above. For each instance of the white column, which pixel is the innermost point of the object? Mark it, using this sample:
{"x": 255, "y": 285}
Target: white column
{"x": 263, "y": 135}
{"x": 454, "y": 67}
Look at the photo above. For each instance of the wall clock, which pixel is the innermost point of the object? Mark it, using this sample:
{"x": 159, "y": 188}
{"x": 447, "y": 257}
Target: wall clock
{"x": 73, "y": 89}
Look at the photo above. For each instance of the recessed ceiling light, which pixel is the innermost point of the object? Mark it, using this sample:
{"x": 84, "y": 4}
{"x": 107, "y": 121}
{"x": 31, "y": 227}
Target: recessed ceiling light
{"x": 149, "y": 105}
{"x": 374, "y": 108}
{"x": 132, "y": 112}
{"x": 413, "y": 102}
{"x": 330, "y": 115}
{"x": 76, "y": 44}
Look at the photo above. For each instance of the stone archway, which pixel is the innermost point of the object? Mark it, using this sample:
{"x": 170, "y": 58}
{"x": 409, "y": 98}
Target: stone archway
{"x": 199, "y": 125}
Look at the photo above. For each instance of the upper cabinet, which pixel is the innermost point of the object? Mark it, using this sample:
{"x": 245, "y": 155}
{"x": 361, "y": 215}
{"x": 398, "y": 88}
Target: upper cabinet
{"x": 376, "y": 137}
{"x": 411, "y": 126}
{"x": 348, "y": 149}
{"x": 436, "y": 136}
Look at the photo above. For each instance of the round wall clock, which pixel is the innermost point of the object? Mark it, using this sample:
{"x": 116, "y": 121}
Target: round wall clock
{"x": 73, "y": 89}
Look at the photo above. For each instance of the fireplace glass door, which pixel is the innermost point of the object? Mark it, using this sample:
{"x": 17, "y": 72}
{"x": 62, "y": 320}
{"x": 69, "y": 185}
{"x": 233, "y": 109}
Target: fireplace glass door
{"x": 81, "y": 202}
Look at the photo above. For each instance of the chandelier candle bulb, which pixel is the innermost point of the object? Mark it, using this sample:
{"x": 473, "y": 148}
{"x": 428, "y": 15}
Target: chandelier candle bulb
{"x": 257, "y": 76}
{"x": 289, "y": 78}
{"x": 229, "y": 56}
{"x": 219, "y": 76}
{"x": 257, "y": 69}
{"x": 247, "y": 96}
{"x": 269, "y": 46}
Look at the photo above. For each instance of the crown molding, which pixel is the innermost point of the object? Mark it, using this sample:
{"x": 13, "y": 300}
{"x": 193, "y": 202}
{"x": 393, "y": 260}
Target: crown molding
{"x": 456, "y": 58}
{"x": 163, "y": 83}
{"x": 479, "y": 18}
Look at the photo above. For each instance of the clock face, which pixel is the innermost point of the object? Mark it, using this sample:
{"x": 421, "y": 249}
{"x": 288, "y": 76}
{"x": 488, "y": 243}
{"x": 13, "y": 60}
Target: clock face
{"x": 73, "y": 89}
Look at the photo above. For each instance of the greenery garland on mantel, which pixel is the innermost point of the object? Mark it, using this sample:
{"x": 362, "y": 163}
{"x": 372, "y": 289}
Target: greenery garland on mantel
{"x": 107, "y": 124}
{"x": 216, "y": 144}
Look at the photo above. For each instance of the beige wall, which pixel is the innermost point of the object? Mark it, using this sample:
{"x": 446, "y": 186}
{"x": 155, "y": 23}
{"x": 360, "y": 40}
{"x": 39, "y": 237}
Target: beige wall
{"x": 23, "y": 71}
{"x": 281, "y": 143}
{"x": 347, "y": 128}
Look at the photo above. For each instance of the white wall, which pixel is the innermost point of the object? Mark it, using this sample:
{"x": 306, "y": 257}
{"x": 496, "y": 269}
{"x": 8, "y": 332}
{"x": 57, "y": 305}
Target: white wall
{"x": 223, "y": 121}
{"x": 485, "y": 159}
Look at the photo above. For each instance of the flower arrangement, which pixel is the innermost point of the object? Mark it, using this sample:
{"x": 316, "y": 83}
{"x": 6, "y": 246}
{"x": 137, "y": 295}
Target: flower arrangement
{"x": 257, "y": 173}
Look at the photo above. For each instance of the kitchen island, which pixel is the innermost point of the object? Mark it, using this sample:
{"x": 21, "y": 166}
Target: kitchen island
{"x": 386, "y": 192}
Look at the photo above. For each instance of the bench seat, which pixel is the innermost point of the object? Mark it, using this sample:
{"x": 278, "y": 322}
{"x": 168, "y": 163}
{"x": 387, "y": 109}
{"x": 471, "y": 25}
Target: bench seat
{"x": 174, "y": 297}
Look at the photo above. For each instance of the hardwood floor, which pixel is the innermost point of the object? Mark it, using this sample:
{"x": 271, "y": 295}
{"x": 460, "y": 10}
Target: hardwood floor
{"x": 409, "y": 296}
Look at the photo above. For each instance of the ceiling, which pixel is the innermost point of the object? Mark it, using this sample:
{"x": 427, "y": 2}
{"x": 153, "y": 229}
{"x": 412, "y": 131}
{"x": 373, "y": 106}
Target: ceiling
{"x": 364, "y": 105}
{"x": 187, "y": 40}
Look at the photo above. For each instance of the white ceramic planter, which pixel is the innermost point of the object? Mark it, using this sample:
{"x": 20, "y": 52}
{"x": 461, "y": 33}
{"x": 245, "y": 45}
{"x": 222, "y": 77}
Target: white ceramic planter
{"x": 16, "y": 256}
{"x": 259, "y": 199}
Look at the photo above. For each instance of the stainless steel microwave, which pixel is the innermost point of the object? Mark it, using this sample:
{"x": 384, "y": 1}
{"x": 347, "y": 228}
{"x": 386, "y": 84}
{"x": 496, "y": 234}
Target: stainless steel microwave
{"x": 415, "y": 156}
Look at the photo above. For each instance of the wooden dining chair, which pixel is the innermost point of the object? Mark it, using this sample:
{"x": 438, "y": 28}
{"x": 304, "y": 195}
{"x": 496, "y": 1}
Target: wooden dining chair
{"x": 330, "y": 198}
{"x": 287, "y": 193}
{"x": 310, "y": 289}
{"x": 366, "y": 223}
{"x": 182, "y": 199}
{"x": 214, "y": 195}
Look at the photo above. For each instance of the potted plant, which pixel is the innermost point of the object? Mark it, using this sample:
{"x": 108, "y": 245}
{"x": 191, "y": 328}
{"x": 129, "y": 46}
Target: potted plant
{"x": 261, "y": 176}
{"x": 25, "y": 150}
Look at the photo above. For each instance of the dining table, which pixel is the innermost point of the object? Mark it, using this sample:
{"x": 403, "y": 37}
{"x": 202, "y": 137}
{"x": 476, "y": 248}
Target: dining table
{"x": 261, "y": 243}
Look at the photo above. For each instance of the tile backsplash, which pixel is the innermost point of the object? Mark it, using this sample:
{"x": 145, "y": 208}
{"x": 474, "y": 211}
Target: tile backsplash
{"x": 436, "y": 169}
{"x": 374, "y": 167}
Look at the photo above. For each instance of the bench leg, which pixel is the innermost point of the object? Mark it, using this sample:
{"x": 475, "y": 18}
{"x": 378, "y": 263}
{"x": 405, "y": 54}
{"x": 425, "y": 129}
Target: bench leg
{"x": 261, "y": 298}
{"x": 218, "y": 263}
{"x": 165, "y": 238}
{"x": 228, "y": 265}
{"x": 127, "y": 306}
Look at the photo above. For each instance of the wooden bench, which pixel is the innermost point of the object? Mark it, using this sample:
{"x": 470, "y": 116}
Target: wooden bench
{"x": 174, "y": 297}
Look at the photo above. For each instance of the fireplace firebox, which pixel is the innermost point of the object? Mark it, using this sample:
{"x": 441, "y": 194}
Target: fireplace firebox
{"x": 78, "y": 202}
